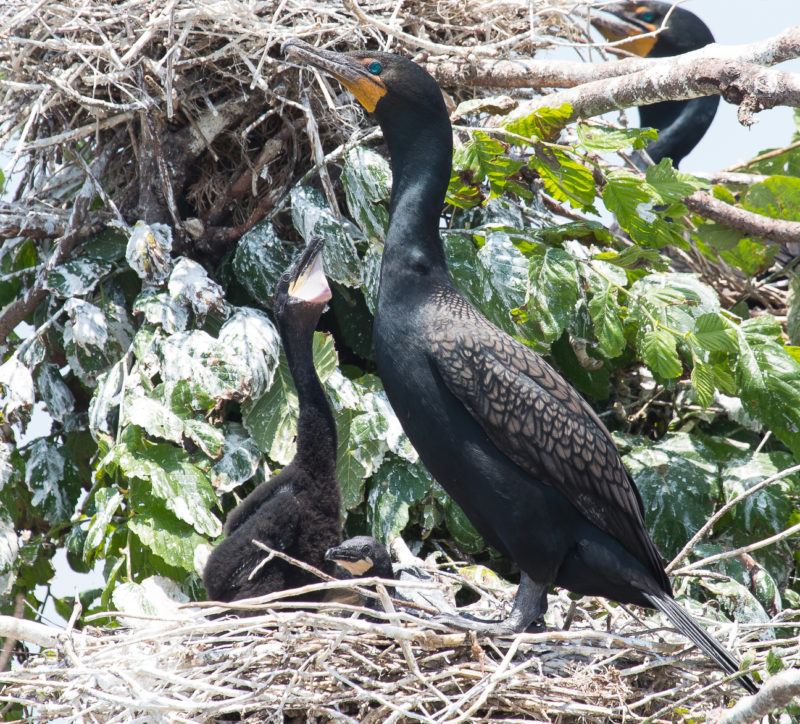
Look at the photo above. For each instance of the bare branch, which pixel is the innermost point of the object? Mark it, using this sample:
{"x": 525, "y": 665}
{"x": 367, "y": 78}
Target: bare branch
{"x": 747, "y": 222}
{"x": 777, "y": 693}
{"x": 524, "y": 72}
{"x": 749, "y": 86}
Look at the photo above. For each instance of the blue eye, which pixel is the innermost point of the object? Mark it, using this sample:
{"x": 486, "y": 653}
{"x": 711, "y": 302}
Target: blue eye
{"x": 375, "y": 67}
{"x": 647, "y": 16}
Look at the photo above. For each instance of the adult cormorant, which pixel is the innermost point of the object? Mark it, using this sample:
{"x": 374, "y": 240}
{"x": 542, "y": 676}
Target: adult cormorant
{"x": 297, "y": 512}
{"x": 526, "y": 458}
{"x": 680, "y": 124}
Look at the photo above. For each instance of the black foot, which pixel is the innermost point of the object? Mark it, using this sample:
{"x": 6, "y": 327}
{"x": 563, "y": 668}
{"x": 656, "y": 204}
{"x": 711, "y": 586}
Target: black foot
{"x": 527, "y": 614}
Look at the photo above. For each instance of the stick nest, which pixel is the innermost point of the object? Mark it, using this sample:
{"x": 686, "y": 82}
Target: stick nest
{"x": 334, "y": 662}
{"x": 196, "y": 96}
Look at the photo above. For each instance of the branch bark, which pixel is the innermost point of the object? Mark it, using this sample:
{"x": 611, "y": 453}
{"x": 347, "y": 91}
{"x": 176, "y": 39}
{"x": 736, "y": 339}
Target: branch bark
{"x": 777, "y": 693}
{"x": 533, "y": 73}
{"x": 747, "y": 85}
{"x": 747, "y": 222}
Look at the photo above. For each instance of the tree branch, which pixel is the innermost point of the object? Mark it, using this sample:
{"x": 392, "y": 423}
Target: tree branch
{"x": 533, "y": 73}
{"x": 749, "y": 86}
{"x": 777, "y": 693}
{"x": 747, "y": 222}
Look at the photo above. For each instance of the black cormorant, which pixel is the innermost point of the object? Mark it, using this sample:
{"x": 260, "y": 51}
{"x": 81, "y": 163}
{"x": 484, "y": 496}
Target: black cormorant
{"x": 526, "y": 458}
{"x": 680, "y": 124}
{"x": 297, "y": 512}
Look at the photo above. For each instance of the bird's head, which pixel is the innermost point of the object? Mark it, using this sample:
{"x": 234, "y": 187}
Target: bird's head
{"x": 683, "y": 31}
{"x": 362, "y": 556}
{"x": 302, "y": 291}
{"x": 384, "y": 83}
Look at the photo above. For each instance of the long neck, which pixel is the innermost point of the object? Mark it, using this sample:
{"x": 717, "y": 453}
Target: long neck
{"x": 316, "y": 428}
{"x": 421, "y": 149}
{"x": 680, "y": 124}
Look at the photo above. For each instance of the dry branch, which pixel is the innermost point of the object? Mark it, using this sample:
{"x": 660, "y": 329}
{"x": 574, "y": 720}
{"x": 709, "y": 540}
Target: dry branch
{"x": 348, "y": 663}
{"x": 521, "y": 72}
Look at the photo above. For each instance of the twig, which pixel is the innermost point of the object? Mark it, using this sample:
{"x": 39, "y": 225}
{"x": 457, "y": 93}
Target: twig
{"x": 712, "y": 521}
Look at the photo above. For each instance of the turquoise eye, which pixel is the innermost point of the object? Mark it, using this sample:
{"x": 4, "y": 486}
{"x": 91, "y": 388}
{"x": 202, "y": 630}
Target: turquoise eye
{"x": 647, "y": 16}
{"x": 375, "y": 67}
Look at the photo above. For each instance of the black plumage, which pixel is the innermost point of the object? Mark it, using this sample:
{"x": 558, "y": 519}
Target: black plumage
{"x": 526, "y": 458}
{"x": 680, "y": 124}
{"x": 297, "y": 512}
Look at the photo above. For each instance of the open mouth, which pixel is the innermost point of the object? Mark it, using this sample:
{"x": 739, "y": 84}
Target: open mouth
{"x": 310, "y": 283}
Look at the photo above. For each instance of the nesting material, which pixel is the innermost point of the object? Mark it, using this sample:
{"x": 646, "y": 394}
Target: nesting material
{"x": 330, "y": 662}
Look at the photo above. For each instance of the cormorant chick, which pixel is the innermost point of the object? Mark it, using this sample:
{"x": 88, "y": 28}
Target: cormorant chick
{"x": 524, "y": 455}
{"x": 297, "y": 512}
{"x": 680, "y": 124}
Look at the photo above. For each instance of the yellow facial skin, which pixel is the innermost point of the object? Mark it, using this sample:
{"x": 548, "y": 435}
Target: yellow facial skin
{"x": 357, "y": 568}
{"x": 351, "y": 72}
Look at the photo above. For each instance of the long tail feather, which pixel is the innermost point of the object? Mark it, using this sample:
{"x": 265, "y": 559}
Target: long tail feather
{"x": 699, "y": 636}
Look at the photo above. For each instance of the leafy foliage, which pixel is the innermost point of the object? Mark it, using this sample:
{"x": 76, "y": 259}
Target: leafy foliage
{"x": 170, "y": 397}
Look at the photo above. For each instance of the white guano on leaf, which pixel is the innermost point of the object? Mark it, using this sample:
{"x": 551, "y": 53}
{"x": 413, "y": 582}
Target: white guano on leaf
{"x": 162, "y": 310}
{"x": 44, "y": 475}
{"x": 239, "y": 462}
{"x": 190, "y": 283}
{"x": 16, "y": 393}
{"x": 253, "y": 339}
{"x": 9, "y": 549}
{"x": 76, "y": 277}
{"x": 148, "y": 252}
{"x": 312, "y": 217}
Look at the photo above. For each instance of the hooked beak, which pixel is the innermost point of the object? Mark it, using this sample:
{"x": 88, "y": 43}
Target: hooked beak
{"x": 618, "y": 26}
{"x": 352, "y": 74}
{"x": 309, "y": 283}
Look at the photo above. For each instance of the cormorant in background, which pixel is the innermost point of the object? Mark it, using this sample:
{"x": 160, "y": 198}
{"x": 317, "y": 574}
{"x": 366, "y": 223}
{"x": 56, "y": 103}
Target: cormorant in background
{"x": 298, "y": 512}
{"x": 680, "y": 124}
{"x": 525, "y": 457}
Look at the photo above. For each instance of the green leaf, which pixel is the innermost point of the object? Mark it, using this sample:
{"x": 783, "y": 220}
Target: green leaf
{"x": 544, "y": 123}
{"x": 239, "y": 461}
{"x": 182, "y": 487}
{"x": 367, "y": 181}
{"x": 793, "y": 315}
{"x": 312, "y": 217}
{"x": 106, "y": 503}
{"x": 504, "y": 271}
{"x": 606, "y": 140}
{"x": 778, "y": 197}
{"x": 633, "y": 202}
{"x": 676, "y": 477}
{"x": 482, "y": 160}
{"x": 272, "y": 418}
{"x": 396, "y": 486}
{"x": 659, "y": 351}
{"x": 634, "y": 257}
{"x": 76, "y": 277}
{"x": 607, "y": 325}
{"x": 671, "y": 185}
{"x": 259, "y": 261}
{"x": 553, "y": 292}
{"x": 769, "y": 383}
{"x": 715, "y": 334}
{"x": 458, "y": 525}
{"x": 53, "y": 493}
{"x": 564, "y": 178}
{"x": 703, "y": 382}
{"x": 768, "y": 511}
{"x": 172, "y": 540}
{"x": 736, "y": 600}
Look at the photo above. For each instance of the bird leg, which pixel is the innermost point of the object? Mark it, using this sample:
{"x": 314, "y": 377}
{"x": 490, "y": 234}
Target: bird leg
{"x": 527, "y": 613}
